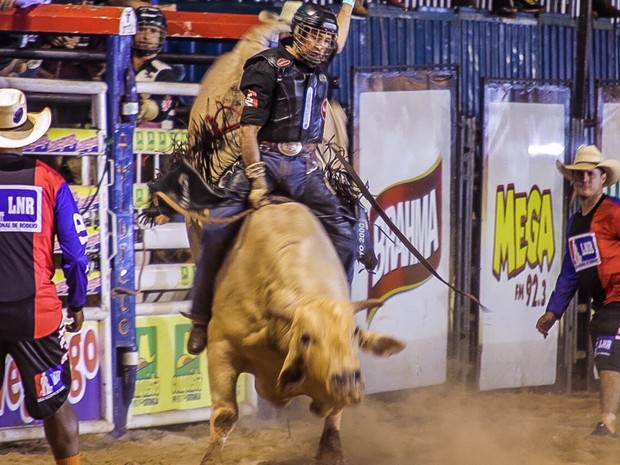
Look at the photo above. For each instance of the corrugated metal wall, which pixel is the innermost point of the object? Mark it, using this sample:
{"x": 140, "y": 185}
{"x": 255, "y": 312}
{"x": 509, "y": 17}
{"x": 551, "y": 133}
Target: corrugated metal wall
{"x": 481, "y": 45}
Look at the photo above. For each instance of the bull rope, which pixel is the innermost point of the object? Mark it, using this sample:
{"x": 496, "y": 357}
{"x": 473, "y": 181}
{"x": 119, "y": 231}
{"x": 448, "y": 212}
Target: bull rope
{"x": 381, "y": 212}
{"x": 273, "y": 199}
{"x": 199, "y": 217}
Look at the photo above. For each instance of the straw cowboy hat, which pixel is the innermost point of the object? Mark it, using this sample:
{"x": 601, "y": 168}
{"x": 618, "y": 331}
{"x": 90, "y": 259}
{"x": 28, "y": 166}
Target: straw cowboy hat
{"x": 587, "y": 158}
{"x": 19, "y": 128}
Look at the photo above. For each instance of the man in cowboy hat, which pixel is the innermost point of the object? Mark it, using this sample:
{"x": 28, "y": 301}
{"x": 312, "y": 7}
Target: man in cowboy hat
{"x": 592, "y": 266}
{"x": 35, "y": 205}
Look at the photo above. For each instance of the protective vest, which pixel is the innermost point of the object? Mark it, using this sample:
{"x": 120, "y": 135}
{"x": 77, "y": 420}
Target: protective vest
{"x": 149, "y": 71}
{"x": 299, "y": 102}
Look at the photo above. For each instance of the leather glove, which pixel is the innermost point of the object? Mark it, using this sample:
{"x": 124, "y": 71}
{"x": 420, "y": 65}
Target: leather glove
{"x": 148, "y": 109}
{"x": 258, "y": 193}
{"x": 259, "y": 188}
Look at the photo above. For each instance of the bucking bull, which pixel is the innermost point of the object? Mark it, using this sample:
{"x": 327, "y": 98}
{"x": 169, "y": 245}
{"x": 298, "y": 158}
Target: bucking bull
{"x": 281, "y": 308}
{"x": 282, "y": 312}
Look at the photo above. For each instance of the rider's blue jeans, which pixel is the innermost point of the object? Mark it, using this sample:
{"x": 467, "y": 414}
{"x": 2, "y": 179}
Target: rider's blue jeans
{"x": 298, "y": 178}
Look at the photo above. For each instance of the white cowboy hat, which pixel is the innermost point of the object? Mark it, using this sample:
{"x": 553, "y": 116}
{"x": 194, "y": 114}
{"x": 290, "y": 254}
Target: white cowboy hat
{"x": 19, "y": 128}
{"x": 587, "y": 158}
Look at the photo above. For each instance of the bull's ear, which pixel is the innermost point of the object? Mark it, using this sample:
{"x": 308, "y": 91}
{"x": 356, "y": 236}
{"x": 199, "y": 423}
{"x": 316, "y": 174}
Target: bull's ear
{"x": 293, "y": 371}
{"x": 379, "y": 345}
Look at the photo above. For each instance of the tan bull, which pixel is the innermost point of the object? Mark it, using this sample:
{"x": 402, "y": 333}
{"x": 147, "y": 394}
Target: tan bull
{"x": 282, "y": 312}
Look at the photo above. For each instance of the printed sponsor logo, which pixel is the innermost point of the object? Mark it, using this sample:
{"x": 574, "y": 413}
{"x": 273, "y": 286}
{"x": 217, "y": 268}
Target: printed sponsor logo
{"x": 20, "y": 208}
{"x": 148, "y": 390}
{"x": 88, "y": 145}
{"x": 603, "y": 345}
{"x": 283, "y": 62}
{"x": 49, "y": 383}
{"x": 251, "y": 99}
{"x": 68, "y": 143}
{"x": 523, "y": 230}
{"x": 415, "y": 208}
{"x": 584, "y": 251}
{"x": 187, "y": 380}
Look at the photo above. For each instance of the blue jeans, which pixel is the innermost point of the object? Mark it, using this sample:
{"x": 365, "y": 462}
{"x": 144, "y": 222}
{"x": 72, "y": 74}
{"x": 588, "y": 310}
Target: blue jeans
{"x": 298, "y": 178}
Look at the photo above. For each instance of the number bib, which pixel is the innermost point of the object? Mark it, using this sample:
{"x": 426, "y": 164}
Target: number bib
{"x": 584, "y": 251}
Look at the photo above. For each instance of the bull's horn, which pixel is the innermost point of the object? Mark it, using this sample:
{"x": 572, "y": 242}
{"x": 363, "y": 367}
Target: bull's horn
{"x": 364, "y": 304}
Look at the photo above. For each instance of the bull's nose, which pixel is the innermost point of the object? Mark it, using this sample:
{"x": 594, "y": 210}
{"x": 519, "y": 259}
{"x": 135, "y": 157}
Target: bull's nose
{"x": 343, "y": 382}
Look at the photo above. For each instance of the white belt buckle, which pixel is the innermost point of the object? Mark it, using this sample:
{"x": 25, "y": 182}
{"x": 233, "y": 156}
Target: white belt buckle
{"x": 289, "y": 148}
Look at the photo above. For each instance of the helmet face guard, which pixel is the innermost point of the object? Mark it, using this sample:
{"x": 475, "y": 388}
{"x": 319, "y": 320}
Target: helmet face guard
{"x": 313, "y": 45}
{"x": 151, "y": 21}
{"x": 315, "y": 32}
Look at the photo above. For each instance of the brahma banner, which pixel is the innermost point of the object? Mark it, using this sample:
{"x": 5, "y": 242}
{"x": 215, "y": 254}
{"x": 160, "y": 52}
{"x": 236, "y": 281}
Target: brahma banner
{"x": 404, "y": 138}
{"x": 525, "y": 132}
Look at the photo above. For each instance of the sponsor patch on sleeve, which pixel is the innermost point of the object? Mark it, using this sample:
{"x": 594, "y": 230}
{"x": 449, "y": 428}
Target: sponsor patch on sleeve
{"x": 49, "y": 383}
{"x": 251, "y": 99}
{"x": 584, "y": 251}
{"x": 20, "y": 208}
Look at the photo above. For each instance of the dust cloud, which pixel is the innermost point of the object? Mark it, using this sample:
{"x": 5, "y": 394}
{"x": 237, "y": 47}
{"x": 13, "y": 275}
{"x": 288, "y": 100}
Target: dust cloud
{"x": 426, "y": 426}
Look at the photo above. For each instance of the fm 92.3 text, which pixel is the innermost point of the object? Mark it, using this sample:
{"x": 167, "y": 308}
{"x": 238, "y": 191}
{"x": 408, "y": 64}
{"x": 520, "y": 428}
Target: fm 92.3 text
{"x": 533, "y": 291}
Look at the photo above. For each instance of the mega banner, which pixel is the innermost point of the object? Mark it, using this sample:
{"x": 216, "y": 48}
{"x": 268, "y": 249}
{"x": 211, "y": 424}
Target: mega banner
{"x": 608, "y": 134}
{"x": 403, "y": 143}
{"x": 525, "y": 132}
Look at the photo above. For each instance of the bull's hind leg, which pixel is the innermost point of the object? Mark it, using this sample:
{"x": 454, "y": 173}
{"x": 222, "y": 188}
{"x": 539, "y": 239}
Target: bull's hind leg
{"x": 224, "y": 409}
{"x": 330, "y": 448}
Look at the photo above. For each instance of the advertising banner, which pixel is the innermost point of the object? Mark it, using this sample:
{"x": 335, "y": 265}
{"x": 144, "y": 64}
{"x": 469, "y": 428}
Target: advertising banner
{"x": 608, "y": 135}
{"x": 407, "y": 160}
{"x": 169, "y": 378}
{"x": 86, "y": 393}
{"x": 157, "y": 140}
{"x": 68, "y": 142}
{"x": 525, "y": 132}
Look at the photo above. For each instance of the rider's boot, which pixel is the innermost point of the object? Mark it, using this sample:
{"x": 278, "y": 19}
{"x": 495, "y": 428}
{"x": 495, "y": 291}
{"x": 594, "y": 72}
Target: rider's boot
{"x": 197, "y": 341}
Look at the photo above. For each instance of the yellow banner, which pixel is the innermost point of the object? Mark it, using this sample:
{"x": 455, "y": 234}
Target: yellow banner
{"x": 157, "y": 140}
{"x": 168, "y": 377}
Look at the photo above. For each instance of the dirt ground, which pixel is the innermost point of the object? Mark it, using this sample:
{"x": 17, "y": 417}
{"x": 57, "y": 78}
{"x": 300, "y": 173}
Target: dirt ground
{"x": 427, "y": 426}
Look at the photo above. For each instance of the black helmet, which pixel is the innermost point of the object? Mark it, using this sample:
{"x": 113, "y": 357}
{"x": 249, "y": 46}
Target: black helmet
{"x": 150, "y": 16}
{"x": 315, "y": 32}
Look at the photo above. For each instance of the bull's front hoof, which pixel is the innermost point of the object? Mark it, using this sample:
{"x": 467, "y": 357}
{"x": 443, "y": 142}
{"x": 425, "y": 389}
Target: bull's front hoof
{"x": 331, "y": 460}
{"x": 212, "y": 457}
{"x": 330, "y": 448}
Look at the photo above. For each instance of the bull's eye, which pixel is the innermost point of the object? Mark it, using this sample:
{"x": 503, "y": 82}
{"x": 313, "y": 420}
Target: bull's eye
{"x": 305, "y": 339}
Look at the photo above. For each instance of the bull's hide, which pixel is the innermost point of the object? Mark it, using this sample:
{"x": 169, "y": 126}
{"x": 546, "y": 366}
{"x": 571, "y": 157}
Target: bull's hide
{"x": 282, "y": 264}
{"x": 282, "y": 312}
